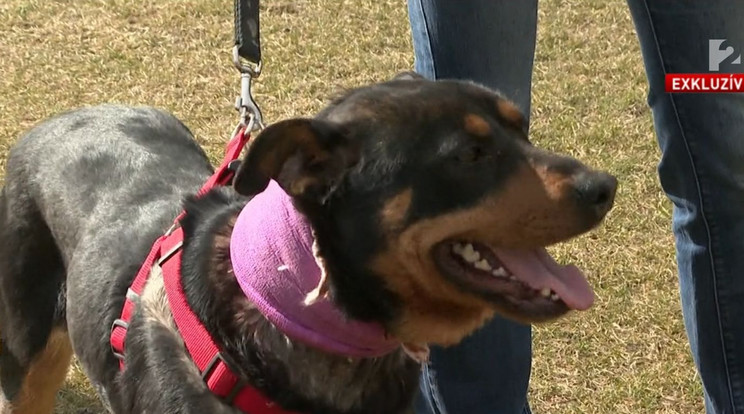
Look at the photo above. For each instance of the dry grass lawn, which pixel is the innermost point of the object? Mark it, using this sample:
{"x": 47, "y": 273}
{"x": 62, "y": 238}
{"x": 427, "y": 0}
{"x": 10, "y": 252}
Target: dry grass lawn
{"x": 629, "y": 354}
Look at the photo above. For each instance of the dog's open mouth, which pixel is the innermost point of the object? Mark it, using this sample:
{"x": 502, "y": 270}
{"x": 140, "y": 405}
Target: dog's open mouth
{"x": 530, "y": 280}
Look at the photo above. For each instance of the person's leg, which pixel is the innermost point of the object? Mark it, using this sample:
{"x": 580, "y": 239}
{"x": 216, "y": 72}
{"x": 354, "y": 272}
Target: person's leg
{"x": 491, "y": 42}
{"x": 702, "y": 171}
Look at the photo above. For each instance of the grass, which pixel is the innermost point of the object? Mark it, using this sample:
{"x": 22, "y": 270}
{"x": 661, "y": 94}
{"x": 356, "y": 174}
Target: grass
{"x": 628, "y": 354}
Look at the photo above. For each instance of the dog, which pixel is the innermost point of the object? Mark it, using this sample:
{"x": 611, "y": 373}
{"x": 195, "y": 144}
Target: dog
{"x": 429, "y": 210}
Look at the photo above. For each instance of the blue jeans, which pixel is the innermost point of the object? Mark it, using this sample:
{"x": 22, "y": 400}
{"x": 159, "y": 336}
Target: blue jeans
{"x": 701, "y": 170}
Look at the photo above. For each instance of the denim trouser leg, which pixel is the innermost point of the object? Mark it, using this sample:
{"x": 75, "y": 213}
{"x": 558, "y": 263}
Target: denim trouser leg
{"x": 491, "y": 42}
{"x": 702, "y": 171}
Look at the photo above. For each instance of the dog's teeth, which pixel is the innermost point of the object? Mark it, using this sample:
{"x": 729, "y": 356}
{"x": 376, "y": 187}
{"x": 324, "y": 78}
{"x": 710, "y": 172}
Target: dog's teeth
{"x": 483, "y": 265}
{"x": 500, "y": 272}
{"x": 469, "y": 254}
{"x": 469, "y": 249}
{"x": 545, "y": 292}
{"x": 458, "y": 248}
{"x": 554, "y": 297}
{"x": 512, "y": 278}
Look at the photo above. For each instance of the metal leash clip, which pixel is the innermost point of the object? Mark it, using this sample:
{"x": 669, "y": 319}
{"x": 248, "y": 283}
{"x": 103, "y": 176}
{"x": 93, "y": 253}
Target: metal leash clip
{"x": 250, "y": 114}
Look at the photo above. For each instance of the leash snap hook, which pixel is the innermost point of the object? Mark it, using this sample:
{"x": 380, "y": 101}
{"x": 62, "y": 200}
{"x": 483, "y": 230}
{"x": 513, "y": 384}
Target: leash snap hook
{"x": 250, "y": 114}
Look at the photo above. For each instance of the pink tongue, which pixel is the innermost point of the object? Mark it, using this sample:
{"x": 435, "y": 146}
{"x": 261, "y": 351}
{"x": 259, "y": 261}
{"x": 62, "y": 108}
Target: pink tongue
{"x": 538, "y": 270}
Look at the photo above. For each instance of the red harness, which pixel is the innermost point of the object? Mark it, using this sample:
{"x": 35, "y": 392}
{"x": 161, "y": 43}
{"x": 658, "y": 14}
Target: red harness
{"x": 166, "y": 252}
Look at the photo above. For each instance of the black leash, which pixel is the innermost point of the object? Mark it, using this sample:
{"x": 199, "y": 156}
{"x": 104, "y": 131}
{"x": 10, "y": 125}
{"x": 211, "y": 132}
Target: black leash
{"x": 247, "y": 58}
{"x": 247, "y": 33}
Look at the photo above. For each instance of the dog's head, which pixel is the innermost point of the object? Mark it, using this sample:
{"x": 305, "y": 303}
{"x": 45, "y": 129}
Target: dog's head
{"x": 431, "y": 208}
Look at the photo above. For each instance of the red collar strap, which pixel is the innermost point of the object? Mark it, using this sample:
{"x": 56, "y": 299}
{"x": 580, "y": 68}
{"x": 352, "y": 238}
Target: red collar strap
{"x": 166, "y": 252}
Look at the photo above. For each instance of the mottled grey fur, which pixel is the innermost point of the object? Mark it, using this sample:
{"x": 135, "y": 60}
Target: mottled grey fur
{"x": 98, "y": 184}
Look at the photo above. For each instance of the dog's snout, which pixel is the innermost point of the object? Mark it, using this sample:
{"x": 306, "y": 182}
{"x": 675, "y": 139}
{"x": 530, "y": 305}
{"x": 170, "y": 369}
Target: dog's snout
{"x": 595, "y": 192}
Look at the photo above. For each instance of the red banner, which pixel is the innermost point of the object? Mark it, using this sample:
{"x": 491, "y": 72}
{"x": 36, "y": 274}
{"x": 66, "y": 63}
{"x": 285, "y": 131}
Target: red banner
{"x": 704, "y": 82}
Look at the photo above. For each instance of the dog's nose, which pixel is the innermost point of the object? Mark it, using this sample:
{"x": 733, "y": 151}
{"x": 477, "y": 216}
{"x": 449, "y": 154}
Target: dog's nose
{"x": 595, "y": 192}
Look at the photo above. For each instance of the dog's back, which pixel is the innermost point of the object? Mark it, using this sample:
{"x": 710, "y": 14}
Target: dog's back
{"x": 85, "y": 192}
{"x": 92, "y": 166}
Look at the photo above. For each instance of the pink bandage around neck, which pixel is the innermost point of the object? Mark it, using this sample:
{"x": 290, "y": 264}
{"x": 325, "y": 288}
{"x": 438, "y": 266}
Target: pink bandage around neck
{"x": 271, "y": 249}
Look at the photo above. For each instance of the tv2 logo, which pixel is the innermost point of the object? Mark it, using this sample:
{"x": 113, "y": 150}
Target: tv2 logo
{"x": 720, "y": 51}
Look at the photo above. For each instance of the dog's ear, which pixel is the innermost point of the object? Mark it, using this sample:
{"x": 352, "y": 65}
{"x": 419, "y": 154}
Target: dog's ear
{"x": 305, "y": 157}
{"x": 409, "y": 75}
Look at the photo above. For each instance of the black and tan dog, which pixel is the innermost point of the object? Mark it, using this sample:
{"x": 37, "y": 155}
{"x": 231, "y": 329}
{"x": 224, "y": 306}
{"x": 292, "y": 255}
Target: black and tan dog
{"x": 417, "y": 192}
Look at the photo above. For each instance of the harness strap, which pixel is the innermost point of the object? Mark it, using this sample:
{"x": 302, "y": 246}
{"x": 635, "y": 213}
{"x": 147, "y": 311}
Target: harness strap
{"x": 222, "y": 176}
{"x": 247, "y": 33}
{"x": 166, "y": 252}
{"x": 204, "y": 352}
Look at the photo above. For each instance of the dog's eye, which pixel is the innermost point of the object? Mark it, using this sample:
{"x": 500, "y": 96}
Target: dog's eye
{"x": 473, "y": 153}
